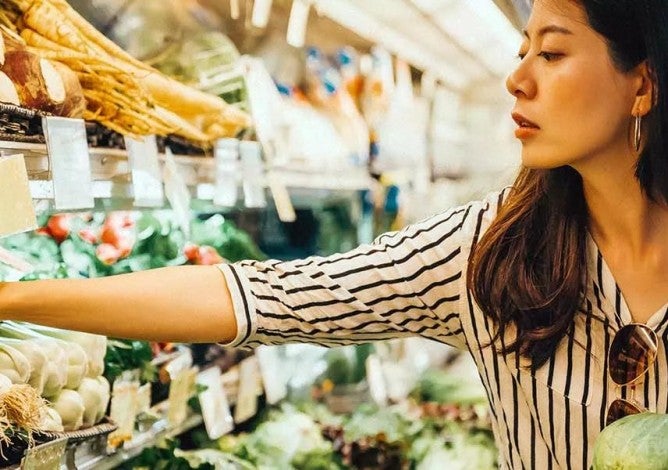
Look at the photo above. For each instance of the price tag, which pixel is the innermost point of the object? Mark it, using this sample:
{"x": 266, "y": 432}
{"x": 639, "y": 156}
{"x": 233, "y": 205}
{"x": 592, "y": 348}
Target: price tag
{"x": 177, "y": 192}
{"x": 46, "y": 456}
{"x": 215, "y": 406}
{"x": 146, "y": 174}
{"x": 297, "y": 23}
{"x": 252, "y": 169}
{"x": 123, "y": 411}
{"x": 235, "y": 13}
{"x": 181, "y": 389}
{"x": 227, "y": 172}
{"x": 143, "y": 399}
{"x": 249, "y": 376}
{"x": 376, "y": 380}
{"x": 281, "y": 196}
{"x": 70, "y": 162}
{"x": 17, "y": 213}
{"x": 180, "y": 363}
{"x": 275, "y": 386}
{"x": 260, "y": 15}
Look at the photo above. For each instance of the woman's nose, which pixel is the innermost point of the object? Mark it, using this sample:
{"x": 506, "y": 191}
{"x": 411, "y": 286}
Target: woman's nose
{"x": 519, "y": 83}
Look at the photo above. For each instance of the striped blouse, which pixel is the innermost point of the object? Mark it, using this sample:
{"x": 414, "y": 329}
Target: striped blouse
{"x": 413, "y": 283}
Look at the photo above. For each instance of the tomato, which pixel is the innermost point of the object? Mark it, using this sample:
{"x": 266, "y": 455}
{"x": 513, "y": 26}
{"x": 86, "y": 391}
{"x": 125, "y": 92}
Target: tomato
{"x": 208, "y": 256}
{"x": 59, "y": 226}
{"x": 191, "y": 252}
{"x": 107, "y": 253}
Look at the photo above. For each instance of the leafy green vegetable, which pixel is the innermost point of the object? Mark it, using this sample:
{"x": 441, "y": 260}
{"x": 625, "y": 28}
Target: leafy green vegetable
{"x": 163, "y": 457}
{"x": 442, "y": 387}
{"x": 371, "y": 421}
{"x": 123, "y": 355}
{"x": 288, "y": 440}
{"x": 633, "y": 443}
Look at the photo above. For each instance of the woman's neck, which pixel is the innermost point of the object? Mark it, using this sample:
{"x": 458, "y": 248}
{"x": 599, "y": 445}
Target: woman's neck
{"x": 620, "y": 213}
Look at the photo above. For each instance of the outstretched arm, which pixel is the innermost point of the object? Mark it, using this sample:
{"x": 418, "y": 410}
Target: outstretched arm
{"x": 180, "y": 304}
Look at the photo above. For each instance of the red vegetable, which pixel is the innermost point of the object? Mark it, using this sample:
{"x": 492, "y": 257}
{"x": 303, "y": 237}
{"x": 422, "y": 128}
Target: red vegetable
{"x": 107, "y": 253}
{"x": 59, "y": 226}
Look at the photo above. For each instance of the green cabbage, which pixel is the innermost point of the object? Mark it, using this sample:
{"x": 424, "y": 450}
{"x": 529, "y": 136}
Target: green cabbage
{"x": 636, "y": 442}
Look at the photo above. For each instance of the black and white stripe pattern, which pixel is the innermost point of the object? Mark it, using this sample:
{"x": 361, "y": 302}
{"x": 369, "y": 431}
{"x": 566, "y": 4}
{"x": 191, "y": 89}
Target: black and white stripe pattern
{"x": 413, "y": 283}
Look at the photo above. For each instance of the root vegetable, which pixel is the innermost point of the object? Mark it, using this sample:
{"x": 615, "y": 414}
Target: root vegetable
{"x": 95, "y": 394}
{"x": 14, "y": 365}
{"x": 37, "y": 82}
{"x": 95, "y": 346}
{"x": 131, "y": 104}
{"x": 70, "y": 406}
{"x": 8, "y": 93}
{"x": 74, "y": 104}
{"x": 57, "y": 365}
{"x": 51, "y": 421}
{"x": 36, "y": 357}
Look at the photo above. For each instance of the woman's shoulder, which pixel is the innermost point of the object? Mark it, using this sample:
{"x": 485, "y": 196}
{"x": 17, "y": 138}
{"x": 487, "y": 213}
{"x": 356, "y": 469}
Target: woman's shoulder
{"x": 473, "y": 217}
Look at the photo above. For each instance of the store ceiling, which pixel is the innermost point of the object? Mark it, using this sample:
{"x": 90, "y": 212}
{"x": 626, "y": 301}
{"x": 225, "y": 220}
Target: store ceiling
{"x": 461, "y": 42}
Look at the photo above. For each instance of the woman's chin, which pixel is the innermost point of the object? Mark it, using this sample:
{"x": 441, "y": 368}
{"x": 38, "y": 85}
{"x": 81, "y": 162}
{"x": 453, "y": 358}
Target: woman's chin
{"x": 535, "y": 161}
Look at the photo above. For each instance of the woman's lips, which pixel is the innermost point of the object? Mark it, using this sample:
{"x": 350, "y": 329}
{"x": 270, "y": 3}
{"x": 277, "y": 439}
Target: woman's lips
{"x": 527, "y": 128}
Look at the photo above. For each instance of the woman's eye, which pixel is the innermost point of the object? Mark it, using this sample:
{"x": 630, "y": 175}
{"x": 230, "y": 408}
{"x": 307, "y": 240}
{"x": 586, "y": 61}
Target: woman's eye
{"x": 549, "y": 56}
{"x": 521, "y": 55}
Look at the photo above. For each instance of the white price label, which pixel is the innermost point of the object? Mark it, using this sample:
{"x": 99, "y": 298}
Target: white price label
{"x": 215, "y": 406}
{"x": 235, "y": 12}
{"x": 70, "y": 162}
{"x": 249, "y": 376}
{"x": 46, "y": 456}
{"x": 376, "y": 380}
{"x": 17, "y": 213}
{"x": 252, "y": 174}
{"x": 146, "y": 174}
{"x": 180, "y": 363}
{"x": 261, "y": 11}
{"x": 297, "y": 23}
{"x": 281, "y": 196}
{"x": 181, "y": 389}
{"x": 273, "y": 379}
{"x": 143, "y": 399}
{"x": 177, "y": 192}
{"x": 227, "y": 172}
{"x": 123, "y": 411}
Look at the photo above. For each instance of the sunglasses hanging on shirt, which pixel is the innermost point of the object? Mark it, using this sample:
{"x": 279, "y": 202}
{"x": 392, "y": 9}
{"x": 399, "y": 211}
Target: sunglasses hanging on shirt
{"x": 632, "y": 352}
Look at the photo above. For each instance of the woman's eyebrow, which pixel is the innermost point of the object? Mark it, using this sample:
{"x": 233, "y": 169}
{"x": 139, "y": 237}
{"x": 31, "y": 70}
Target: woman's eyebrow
{"x": 548, "y": 29}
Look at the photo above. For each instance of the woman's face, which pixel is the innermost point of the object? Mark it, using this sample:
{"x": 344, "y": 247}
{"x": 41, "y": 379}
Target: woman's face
{"x": 577, "y": 103}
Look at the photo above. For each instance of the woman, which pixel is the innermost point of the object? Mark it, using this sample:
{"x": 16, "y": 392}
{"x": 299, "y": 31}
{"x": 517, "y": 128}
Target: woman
{"x": 536, "y": 281}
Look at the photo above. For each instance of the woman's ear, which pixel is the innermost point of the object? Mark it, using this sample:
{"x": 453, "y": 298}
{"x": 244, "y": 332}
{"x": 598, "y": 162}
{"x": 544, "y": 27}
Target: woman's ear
{"x": 646, "y": 96}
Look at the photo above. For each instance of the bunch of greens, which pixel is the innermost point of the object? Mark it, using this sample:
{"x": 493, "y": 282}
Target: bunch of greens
{"x": 288, "y": 440}
{"x": 124, "y": 355}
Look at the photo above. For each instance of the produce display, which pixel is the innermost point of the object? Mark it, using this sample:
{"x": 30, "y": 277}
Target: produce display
{"x": 120, "y": 92}
{"x": 58, "y": 381}
{"x": 307, "y": 436}
{"x": 50, "y": 380}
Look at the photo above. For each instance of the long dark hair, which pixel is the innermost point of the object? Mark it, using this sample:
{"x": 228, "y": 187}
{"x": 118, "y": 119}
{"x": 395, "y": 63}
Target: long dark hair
{"x": 529, "y": 268}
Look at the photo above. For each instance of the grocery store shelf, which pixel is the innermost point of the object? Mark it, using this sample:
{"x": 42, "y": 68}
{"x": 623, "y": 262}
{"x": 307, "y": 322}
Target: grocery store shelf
{"x": 159, "y": 431}
{"x": 111, "y": 175}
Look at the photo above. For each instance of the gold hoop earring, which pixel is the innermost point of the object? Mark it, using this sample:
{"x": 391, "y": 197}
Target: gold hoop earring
{"x": 637, "y": 134}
